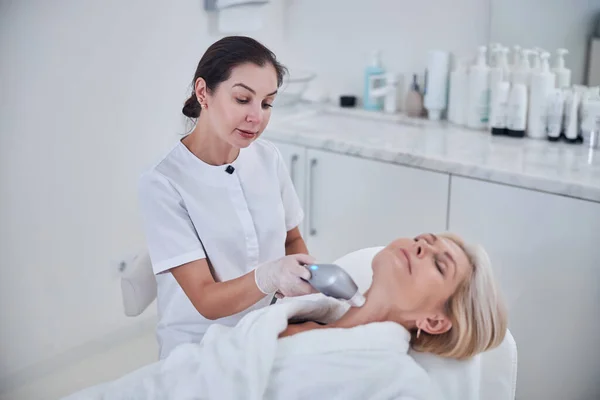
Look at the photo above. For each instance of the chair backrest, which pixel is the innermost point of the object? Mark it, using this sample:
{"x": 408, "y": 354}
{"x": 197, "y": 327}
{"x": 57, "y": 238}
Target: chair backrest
{"x": 138, "y": 284}
{"x": 490, "y": 376}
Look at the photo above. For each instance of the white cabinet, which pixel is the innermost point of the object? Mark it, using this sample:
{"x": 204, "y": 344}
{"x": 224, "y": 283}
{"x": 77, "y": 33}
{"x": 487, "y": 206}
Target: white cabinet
{"x": 295, "y": 161}
{"x": 546, "y": 253}
{"x": 352, "y": 203}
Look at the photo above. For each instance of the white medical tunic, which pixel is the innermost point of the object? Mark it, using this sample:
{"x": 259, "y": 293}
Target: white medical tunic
{"x": 242, "y": 219}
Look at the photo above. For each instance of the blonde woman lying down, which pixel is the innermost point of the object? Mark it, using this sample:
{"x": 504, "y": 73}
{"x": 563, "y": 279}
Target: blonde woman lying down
{"x": 439, "y": 289}
{"x": 432, "y": 293}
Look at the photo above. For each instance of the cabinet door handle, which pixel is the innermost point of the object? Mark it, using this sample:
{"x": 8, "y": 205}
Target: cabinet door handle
{"x": 311, "y": 204}
{"x": 293, "y": 168}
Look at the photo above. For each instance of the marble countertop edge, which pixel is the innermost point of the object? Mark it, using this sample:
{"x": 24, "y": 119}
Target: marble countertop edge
{"x": 428, "y": 162}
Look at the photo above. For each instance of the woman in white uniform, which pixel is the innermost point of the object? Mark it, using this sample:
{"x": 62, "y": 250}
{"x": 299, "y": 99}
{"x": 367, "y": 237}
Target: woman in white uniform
{"x": 219, "y": 210}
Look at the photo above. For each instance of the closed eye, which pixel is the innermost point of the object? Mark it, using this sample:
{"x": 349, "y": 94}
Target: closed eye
{"x": 438, "y": 265}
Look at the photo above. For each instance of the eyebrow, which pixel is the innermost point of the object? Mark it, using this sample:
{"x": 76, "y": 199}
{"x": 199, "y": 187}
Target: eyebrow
{"x": 252, "y": 90}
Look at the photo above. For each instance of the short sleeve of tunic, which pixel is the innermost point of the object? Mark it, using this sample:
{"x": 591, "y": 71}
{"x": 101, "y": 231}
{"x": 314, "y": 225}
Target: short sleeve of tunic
{"x": 170, "y": 234}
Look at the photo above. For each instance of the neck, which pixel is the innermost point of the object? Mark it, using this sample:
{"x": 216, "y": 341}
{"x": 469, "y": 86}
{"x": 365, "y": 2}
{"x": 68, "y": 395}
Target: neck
{"x": 377, "y": 308}
{"x": 208, "y": 147}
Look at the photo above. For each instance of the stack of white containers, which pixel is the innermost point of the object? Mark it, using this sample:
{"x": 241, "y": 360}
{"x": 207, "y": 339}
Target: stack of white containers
{"x": 522, "y": 99}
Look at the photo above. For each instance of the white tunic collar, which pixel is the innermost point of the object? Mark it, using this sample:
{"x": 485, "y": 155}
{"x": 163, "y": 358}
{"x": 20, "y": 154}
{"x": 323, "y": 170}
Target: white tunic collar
{"x": 215, "y": 175}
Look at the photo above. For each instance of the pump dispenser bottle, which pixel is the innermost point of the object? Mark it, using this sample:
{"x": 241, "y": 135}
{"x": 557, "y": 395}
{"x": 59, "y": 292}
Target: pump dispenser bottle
{"x": 523, "y": 72}
{"x": 478, "y": 102}
{"x": 498, "y": 73}
{"x": 493, "y": 50}
{"x": 556, "y": 106}
{"x": 375, "y": 68}
{"x": 503, "y": 63}
{"x": 499, "y": 109}
{"x": 542, "y": 84}
{"x": 563, "y": 74}
{"x": 516, "y": 60}
{"x": 516, "y": 118}
{"x": 536, "y": 65}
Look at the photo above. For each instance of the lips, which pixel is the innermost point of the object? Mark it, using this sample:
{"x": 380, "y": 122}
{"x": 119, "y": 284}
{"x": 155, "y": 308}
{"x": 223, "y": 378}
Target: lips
{"x": 405, "y": 254}
{"x": 246, "y": 134}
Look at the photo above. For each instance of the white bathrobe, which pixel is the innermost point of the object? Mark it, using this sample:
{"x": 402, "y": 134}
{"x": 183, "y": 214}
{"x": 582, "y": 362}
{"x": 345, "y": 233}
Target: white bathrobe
{"x": 249, "y": 362}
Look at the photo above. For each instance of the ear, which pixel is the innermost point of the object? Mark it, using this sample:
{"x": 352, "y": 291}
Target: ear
{"x": 435, "y": 325}
{"x": 201, "y": 91}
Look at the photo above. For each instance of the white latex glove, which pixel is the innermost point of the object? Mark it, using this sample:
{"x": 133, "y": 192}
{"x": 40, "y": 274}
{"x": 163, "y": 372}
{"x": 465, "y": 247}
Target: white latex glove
{"x": 284, "y": 275}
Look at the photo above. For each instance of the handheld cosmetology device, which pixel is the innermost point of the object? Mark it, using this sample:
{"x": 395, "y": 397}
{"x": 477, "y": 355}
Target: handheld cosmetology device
{"x": 333, "y": 281}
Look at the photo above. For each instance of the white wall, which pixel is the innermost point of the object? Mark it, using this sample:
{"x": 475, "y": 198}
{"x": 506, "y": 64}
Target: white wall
{"x": 336, "y": 37}
{"x": 91, "y": 94}
{"x": 547, "y": 24}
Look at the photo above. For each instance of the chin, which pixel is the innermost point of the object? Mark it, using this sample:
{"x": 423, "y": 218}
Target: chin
{"x": 387, "y": 264}
{"x": 382, "y": 260}
{"x": 241, "y": 143}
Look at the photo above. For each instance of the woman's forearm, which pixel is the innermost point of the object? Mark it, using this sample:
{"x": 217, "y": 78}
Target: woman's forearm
{"x": 296, "y": 246}
{"x": 222, "y": 299}
{"x": 215, "y": 300}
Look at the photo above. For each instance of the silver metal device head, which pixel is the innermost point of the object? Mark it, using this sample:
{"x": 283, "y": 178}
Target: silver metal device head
{"x": 334, "y": 281}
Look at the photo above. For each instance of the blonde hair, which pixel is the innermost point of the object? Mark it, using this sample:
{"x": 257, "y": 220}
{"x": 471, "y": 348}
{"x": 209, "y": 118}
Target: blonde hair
{"x": 476, "y": 310}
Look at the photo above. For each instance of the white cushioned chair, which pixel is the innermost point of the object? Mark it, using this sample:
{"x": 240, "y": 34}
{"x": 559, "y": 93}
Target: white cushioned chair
{"x": 489, "y": 376}
{"x": 138, "y": 285}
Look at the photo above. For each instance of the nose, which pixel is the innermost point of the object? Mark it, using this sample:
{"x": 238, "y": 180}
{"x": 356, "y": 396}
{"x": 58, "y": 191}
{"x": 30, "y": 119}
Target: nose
{"x": 254, "y": 115}
{"x": 422, "y": 248}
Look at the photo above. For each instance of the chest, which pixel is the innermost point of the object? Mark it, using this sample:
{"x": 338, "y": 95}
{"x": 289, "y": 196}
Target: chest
{"x": 240, "y": 222}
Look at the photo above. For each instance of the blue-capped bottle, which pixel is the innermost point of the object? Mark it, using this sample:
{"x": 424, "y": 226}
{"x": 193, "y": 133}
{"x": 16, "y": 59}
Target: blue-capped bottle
{"x": 372, "y": 70}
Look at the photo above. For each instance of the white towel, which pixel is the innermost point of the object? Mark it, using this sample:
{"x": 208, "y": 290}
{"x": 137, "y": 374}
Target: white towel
{"x": 248, "y": 361}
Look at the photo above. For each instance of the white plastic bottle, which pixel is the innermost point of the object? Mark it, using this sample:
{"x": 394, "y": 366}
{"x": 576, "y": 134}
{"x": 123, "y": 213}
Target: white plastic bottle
{"x": 571, "y": 121}
{"x": 458, "y": 93}
{"x": 542, "y": 84}
{"x": 504, "y": 63}
{"x": 563, "y": 74}
{"x": 536, "y": 65}
{"x": 590, "y": 110}
{"x": 516, "y": 118}
{"x": 556, "y": 106}
{"x": 436, "y": 87}
{"x": 499, "y": 109}
{"x": 498, "y": 74}
{"x": 478, "y": 103}
{"x": 492, "y": 53}
{"x": 522, "y": 73}
{"x": 515, "y": 61}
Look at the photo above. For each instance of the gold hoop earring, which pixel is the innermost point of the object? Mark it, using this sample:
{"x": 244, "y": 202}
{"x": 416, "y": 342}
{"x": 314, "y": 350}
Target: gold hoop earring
{"x": 418, "y": 333}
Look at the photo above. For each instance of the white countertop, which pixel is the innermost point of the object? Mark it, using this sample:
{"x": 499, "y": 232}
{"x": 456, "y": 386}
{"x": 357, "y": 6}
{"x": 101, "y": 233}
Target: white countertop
{"x": 559, "y": 168}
